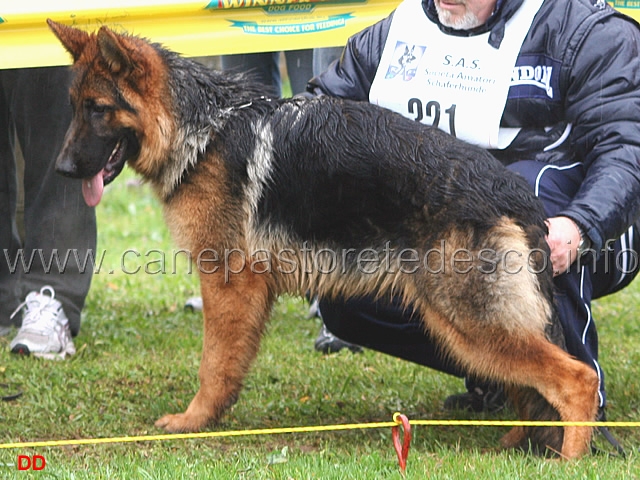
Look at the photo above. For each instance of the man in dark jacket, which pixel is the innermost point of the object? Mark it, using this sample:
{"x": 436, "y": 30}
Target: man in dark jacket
{"x": 552, "y": 89}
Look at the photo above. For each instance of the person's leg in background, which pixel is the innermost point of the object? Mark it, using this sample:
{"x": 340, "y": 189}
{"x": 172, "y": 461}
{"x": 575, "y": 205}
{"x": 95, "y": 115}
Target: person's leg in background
{"x": 323, "y": 57}
{"x": 386, "y": 326}
{"x": 56, "y": 219}
{"x": 264, "y": 67}
{"x": 299, "y": 69}
{"x": 10, "y": 241}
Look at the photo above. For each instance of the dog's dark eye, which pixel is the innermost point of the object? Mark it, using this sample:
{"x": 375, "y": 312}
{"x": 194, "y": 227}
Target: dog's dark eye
{"x": 96, "y": 110}
{"x": 100, "y": 109}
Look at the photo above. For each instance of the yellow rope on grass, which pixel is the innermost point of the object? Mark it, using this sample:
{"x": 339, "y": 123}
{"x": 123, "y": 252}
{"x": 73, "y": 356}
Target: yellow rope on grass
{"x": 316, "y": 428}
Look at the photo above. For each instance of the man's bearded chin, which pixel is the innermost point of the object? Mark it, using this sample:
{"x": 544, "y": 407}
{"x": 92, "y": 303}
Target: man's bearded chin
{"x": 468, "y": 21}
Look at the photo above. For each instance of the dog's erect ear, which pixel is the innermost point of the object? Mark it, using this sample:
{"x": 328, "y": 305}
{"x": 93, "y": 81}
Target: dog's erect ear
{"x": 114, "y": 52}
{"x": 73, "y": 39}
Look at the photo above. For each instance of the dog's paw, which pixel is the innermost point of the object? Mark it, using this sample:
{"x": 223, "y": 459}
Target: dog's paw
{"x": 180, "y": 423}
{"x": 514, "y": 438}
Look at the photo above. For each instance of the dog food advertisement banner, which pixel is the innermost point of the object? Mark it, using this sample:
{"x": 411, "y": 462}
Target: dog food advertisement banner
{"x": 195, "y": 28}
{"x": 188, "y": 27}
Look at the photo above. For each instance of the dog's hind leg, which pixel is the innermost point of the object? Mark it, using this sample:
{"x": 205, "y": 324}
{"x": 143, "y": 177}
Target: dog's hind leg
{"x": 569, "y": 385}
{"x": 524, "y": 358}
{"x": 235, "y": 313}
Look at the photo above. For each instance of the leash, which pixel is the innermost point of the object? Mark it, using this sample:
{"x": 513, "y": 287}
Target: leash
{"x": 612, "y": 440}
{"x": 224, "y": 111}
{"x": 11, "y": 396}
{"x": 602, "y": 429}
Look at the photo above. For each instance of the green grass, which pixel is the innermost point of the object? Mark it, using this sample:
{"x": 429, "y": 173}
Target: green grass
{"x": 138, "y": 354}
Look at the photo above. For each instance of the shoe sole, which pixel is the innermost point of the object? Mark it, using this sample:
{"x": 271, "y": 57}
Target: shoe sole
{"x": 20, "y": 349}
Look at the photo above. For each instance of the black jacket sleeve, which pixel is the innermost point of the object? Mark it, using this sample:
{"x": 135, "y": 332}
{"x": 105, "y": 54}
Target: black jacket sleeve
{"x": 603, "y": 103}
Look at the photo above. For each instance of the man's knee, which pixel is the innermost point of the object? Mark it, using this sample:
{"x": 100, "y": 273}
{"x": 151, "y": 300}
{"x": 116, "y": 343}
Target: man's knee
{"x": 554, "y": 185}
{"x": 333, "y": 315}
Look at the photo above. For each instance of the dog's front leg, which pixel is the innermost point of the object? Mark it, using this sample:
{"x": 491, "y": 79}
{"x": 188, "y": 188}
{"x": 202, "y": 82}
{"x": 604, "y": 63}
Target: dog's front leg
{"x": 235, "y": 313}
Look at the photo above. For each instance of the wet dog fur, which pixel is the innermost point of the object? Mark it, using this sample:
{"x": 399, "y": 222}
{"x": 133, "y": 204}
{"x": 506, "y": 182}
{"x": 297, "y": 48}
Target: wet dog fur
{"x": 237, "y": 170}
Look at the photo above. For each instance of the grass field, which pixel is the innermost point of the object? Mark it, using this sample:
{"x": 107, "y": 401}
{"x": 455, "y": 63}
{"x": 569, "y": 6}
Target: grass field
{"x": 138, "y": 354}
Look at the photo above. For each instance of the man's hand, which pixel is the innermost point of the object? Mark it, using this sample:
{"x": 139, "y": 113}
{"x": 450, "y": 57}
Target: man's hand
{"x": 563, "y": 239}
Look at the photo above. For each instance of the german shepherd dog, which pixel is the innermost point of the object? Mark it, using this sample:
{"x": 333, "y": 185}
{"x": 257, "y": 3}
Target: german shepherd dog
{"x": 237, "y": 170}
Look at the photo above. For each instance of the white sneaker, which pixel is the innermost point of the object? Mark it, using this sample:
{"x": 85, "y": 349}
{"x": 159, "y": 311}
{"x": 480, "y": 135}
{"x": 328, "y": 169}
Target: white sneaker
{"x": 45, "y": 329}
{"x": 194, "y": 304}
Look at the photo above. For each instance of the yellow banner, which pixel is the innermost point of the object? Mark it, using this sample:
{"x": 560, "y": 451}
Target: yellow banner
{"x": 186, "y": 26}
{"x": 195, "y": 28}
{"x": 628, "y": 7}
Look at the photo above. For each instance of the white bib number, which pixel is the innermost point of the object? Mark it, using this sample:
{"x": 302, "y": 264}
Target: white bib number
{"x": 457, "y": 84}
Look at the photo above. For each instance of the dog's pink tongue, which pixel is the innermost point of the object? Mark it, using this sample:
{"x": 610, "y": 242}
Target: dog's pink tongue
{"x": 92, "y": 189}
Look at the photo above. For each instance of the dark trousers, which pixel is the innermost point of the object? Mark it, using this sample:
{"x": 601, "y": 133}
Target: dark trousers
{"x": 34, "y": 108}
{"x": 266, "y": 67}
{"x": 386, "y": 327}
